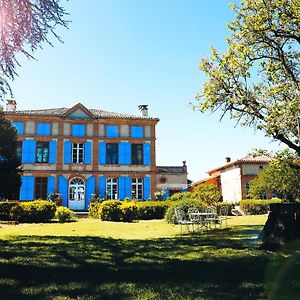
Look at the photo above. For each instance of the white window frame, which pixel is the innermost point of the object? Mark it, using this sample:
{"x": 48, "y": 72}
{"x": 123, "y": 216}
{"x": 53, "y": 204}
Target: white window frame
{"x": 136, "y": 192}
{"x": 76, "y": 189}
{"x": 78, "y": 150}
{"x": 111, "y": 188}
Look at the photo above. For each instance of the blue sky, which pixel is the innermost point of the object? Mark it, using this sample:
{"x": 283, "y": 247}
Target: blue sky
{"x": 121, "y": 53}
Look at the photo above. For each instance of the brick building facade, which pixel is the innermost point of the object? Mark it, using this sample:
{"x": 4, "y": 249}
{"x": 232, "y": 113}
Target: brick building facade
{"x": 78, "y": 152}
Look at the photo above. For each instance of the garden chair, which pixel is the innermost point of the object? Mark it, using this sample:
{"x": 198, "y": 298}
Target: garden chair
{"x": 212, "y": 217}
{"x": 182, "y": 219}
{"x": 195, "y": 216}
{"x": 223, "y": 215}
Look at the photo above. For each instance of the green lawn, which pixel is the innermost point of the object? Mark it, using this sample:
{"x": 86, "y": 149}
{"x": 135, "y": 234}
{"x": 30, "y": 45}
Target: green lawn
{"x": 90, "y": 259}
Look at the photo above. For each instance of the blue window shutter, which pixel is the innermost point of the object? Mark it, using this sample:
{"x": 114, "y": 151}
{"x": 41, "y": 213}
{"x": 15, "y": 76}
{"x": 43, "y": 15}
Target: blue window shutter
{"x": 78, "y": 130}
{"x": 52, "y": 155}
{"x": 87, "y": 152}
{"x": 102, "y": 187}
{"x": 166, "y": 195}
{"x": 51, "y": 185}
{"x": 63, "y": 189}
{"x": 121, "y": 187}
{"x": 23, "y": 188}
{"x": 67, "y": 152}
{"x": 112, "y": 131}
{"x": 28, "y": 151}
{"x": 147, "y": 157}
{"x": 147, "y": 188}
{"x": 128, "y": 191}
{"x": 137, "y": 132}
{"x": 124, "y": 153}
{"x": 184, "y": 190}
{"x": 40, "y": 129}
{"x": 19, "y": 126}
{"x": 102, "y": 153}
{"x": 90, "y": 189}
{"x": 47, "y": 129}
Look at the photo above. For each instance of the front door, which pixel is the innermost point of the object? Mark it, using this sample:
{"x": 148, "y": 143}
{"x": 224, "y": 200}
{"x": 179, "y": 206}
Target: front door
{"x": 77, "y": 194}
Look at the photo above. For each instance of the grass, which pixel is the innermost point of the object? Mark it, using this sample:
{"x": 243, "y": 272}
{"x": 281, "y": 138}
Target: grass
{"x": 90, "y": 259}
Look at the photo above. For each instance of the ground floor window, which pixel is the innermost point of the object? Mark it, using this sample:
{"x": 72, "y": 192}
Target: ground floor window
{"x": 137, "y": 188}
{"x": 111, "y": 188}
{"x": 40, "y": 188}
{"x": 76, "y": 189}
{"x": 247, "y": 187}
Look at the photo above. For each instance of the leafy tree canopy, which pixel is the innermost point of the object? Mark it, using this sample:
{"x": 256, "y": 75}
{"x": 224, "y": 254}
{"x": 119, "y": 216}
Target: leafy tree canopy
{"x": 9, "y": 162}
{"x": 280, "y": 178}
{"x": 207, "y": 193}
{"x": 24, "y": 25}
{"x": 257, "y": 80}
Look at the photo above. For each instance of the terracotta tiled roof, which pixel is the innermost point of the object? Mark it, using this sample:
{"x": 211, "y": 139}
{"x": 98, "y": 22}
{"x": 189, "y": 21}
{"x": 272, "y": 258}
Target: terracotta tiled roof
{"x": 170, "y": 170}
{"x": 57, "y": 112}
{"x": 258, "y": 158}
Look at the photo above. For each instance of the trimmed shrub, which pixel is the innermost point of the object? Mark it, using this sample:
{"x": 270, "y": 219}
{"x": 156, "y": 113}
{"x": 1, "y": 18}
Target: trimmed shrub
{"x": 64, "y": 214}
{"x": 228, "y": 204}
{"x": 257, "y": 207}
{"x": 150, "y": 210}
{"x": 109, "y": 210}
{"x": 37, "y": 211}
{"x": 128, "y": 211}
{"x": 184, "y": 206}
{"x": 180, "y": 196}
{"x": 5, "y": 209}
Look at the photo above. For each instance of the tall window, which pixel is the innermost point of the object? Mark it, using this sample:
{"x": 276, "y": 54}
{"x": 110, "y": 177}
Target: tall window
{"x": 112, "y": 153}
{"x": 76, "y": 190}
{"x": 247, "y": 187}
{"x": 40, "y": 188}
{"x": 111, "y": 188}
{"x": 19, "y": 150}
{"x": 42, "y": 152}
{"x": 77, "y": 153}
{"x": 136, "y": 154}
{"x": 137, "y": 188}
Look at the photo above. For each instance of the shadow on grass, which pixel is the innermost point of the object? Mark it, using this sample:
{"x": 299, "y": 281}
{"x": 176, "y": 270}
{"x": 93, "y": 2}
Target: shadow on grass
{"x": 213, "y": 265}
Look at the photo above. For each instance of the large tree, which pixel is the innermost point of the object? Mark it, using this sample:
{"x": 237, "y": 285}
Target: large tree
{"x": 24, "y": 26}
{"x": 257, "y": 80}
{"x": 9, "y": 162}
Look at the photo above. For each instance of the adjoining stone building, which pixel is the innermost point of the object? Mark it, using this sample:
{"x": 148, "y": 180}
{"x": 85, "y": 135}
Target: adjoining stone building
{"x": 233, "y": 178}
{"x": 78, "y": 152}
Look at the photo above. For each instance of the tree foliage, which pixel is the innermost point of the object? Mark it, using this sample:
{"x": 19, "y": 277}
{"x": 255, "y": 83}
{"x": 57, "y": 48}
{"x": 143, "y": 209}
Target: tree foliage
{"x": 9, "y": 162}
{"x": 280, "y": 178}
{"x": 24, "y": 26}
{"x": 208, "y": 193}
{"x": 257, "y": 80}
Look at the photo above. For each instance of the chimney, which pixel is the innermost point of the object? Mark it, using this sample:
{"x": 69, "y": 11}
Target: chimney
{"x": 143, "y": 108}
{"x": 184, "y": 167}
{"x": 227, "y": 159}
{"x": 11, "y": 105}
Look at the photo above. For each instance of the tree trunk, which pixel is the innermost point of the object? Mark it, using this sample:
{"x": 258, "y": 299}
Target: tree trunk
{"x": 282, "y": 226}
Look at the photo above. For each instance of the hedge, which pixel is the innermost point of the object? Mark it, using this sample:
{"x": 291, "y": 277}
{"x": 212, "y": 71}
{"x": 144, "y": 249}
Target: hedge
{"x": 257, "y": 207}
{"x": 150, "y": 210}
{"x": 5, "y": 210}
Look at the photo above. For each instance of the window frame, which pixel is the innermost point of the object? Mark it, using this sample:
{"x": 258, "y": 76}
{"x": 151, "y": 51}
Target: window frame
{"x": 111, "y": 188}
{"x": 135, "y": 158}
{"x": 78, "y": 150}
{"x": 110, "y": 154}
{"x": 44, "y": 155}
{"x": 41, "y": 188}
{"x": 137, "y": 188}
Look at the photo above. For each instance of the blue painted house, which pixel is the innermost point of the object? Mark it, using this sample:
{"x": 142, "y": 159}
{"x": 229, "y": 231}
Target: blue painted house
{"x": 78, "y": 152}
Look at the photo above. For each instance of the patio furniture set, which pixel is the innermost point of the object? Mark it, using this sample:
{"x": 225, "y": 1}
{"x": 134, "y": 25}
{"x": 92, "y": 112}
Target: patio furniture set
{"x": 196, "y": 219}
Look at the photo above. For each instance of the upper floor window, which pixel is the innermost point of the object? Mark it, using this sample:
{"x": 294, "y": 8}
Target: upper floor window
{"x": 137, "y": 154}
{"x": 112, "y": 153}
{"x": 111, "y": 188}
{"x": 42, "y": 152}
{"x": 40, "y": 189}
{"x": 112, "y": 131}
{"x": 77, "y": 153}
{"x": 137, "y": 188}
{"x": 137, "y": 132}
{"x": 43, "y": 128}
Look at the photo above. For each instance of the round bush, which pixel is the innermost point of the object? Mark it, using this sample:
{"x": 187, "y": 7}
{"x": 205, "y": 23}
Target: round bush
{"x": 257, "y": 207}
{"x": 109, "y": 210}
{"x": 150, "y": 210}
{"x": 37, "y": 211}
{"x": 184, "y": 206}
{"x": 128, "y": 211}
{"x": 64, "y": 214}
